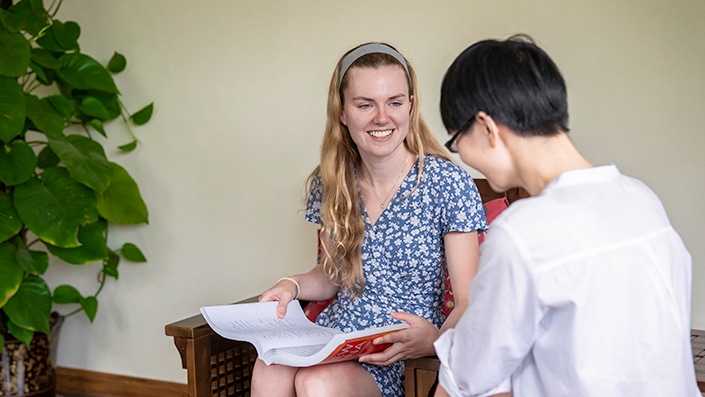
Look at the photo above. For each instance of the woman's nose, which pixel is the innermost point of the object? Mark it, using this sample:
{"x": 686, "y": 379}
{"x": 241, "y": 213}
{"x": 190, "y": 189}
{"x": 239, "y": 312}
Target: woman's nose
{"x": 381, "y": 116}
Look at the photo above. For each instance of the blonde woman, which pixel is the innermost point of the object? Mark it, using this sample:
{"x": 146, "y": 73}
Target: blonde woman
{"x": 395, "y": 214}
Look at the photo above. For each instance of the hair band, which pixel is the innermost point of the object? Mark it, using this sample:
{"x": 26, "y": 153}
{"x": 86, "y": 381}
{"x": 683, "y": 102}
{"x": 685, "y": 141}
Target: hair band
{"x": 371, "y": 48}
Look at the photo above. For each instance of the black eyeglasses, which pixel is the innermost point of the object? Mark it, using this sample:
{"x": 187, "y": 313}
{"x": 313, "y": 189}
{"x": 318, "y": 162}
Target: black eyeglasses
{"x": 452, "y": 144}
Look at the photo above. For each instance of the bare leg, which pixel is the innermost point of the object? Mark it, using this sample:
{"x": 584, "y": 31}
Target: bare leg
{"x": 440, "y": 392}
{"x": 273, "y": 380}
{"x": 344, "y": 379}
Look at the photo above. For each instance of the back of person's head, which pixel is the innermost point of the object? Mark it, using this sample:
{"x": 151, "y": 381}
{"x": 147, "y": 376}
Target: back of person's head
{"x": 514, "y": 81}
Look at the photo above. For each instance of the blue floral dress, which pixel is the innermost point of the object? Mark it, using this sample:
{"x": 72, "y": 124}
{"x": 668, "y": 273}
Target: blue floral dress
{"x": 403, "y": 255}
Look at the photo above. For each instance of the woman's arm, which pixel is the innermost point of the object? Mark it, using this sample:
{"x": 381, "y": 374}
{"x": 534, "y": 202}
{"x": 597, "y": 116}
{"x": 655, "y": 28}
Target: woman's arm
{"x": 313, "y": 285}
{"x": 462, "y": 255}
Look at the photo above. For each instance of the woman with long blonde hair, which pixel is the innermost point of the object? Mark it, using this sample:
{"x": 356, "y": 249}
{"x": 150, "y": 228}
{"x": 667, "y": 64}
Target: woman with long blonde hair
{"x": 396, "y": 214}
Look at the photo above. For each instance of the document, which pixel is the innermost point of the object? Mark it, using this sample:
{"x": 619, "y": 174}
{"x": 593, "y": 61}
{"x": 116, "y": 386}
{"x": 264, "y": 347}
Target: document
{"x": 294, "y": 340}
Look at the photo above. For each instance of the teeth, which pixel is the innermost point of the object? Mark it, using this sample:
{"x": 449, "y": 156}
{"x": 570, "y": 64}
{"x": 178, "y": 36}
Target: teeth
{"x": 380, "y": 134}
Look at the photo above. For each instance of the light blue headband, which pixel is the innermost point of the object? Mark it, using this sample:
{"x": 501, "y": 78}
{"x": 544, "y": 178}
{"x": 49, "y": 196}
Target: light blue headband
{"x": 371, "y": 48}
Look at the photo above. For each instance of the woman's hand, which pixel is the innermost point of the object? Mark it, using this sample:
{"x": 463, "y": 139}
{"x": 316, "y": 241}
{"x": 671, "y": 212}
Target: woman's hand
{"x": 413, "y": 342}
{"x": 284, "y": 292}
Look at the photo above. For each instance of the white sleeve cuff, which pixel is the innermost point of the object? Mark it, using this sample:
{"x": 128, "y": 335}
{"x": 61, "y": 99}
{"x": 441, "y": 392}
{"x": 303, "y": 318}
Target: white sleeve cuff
{"x": 446, "y": 379}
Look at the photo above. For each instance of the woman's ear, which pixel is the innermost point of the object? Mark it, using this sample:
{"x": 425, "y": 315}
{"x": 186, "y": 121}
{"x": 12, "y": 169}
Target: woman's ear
{"x": 411, "y": 102}
{"x": 488, "y": 128}
{"x": 342, "y": 119}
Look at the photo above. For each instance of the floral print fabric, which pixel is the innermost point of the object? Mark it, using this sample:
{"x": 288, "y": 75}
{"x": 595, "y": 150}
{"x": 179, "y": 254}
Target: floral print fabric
{"x": 403, "y": 255}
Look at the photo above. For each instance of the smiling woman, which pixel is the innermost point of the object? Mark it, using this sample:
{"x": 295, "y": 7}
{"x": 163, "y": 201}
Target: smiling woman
{"x": 377, "y": 118}
{"x": 381, "y": 169}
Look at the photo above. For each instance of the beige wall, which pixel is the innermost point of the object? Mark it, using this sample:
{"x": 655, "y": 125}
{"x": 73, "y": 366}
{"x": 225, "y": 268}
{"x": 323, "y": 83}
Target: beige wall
{"x": 240, "y": 90}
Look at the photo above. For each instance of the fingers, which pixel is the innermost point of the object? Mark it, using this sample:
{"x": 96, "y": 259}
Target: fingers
{"x": 281, "y": 308}
{"x": 413, "y": 342}
{"x": 391, "y": 355}
{"x": 408, "y": 318}
{"x": 281, "y": 294}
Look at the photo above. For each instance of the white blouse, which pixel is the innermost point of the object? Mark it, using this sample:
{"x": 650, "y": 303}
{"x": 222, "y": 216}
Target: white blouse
{"x": 583, "y": 290}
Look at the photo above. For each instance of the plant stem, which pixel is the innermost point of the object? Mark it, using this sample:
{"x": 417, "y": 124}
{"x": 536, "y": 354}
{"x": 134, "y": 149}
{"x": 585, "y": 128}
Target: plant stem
{"x": 101, "y": 280}
{"x": 52, "y": 14}
{"x": 125, "y": 119}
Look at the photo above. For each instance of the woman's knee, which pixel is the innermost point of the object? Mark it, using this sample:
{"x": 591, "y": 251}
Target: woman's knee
{"x": 272, "y": 380}
{"x": 339, "y": 379}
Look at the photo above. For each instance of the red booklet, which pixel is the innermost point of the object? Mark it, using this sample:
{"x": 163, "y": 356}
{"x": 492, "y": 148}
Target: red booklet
{"x": 293, "y": 340}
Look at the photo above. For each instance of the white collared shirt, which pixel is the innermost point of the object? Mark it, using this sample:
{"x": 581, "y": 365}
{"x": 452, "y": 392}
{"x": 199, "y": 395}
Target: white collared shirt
{"x": 583, "y": 290}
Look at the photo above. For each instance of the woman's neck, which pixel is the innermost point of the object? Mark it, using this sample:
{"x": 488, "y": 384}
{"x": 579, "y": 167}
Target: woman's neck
{"x": 557, "y": 155}
{"x": 384, "y": 170}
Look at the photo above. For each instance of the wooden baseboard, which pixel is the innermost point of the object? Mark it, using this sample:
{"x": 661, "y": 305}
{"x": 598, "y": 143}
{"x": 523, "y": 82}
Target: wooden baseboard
{"x": 110, "y": 385}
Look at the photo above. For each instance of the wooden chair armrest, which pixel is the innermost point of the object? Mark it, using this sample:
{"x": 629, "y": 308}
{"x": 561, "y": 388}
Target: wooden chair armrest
{"x": 215, "y": 366}
{"x": 420, "y": 375}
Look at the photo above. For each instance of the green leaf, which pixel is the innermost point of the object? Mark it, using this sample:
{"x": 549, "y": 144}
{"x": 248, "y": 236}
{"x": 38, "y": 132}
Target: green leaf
{"x": 10, "y": 223}
{"x": 66, "y": 34}
{"x": 143, "y": 115}
{"x": 90, "y": 306}
{"x": 27, "y": 15}
{"x": 128, "y": 147}
{"x": 93, "y": 245}
{"x": 12, "y": 108}
{"x": 93, "y": 107}
{"x": 117, "y": 63}
{"x": 62, "y": 105}
{"x": 34, "y": 262}
{"x": 110, "y": 266}
{"x": 55, "y": 207}
{"x": 30, "y": 307}
{"x": 122, "y": 202}
{"x": 2, "y": 339}
{"x": 22, "y": 334}
{"x": 85, "y": 73}
{"x": 65, "y": 294}
{"x": 85, "y": 160}
{"x": 132, "y": 253}
{"x": 109, "y": 101}
{"x": 15, "y": 50}
{"x": 98, "y": 126}
{"x": 17, "y": 163}
{"x": 45, "y": 58}
{"x": 61, "y": 37}
{"x": 11, "y": 273}
{"x": 48, "y": 41}
{"x": 44, "y": 117}
{"x": 39, "y": 71}
{"x": 47, "y": 158}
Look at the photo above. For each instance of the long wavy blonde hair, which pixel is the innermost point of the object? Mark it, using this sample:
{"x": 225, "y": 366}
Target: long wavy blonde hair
{"x": 343, "y": 228}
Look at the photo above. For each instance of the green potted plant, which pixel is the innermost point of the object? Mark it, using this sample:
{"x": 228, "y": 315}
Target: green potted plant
{"x": 59, "y": 192}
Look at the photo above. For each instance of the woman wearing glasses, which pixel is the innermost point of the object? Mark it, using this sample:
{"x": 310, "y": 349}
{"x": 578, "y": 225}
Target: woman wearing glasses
{"x": 599, "y": 303}
{"x": 395, "y": 213}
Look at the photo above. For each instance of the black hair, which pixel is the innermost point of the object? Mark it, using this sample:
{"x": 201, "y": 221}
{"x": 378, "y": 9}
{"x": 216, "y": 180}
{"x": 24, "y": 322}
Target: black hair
{"x": 514, "y": 81}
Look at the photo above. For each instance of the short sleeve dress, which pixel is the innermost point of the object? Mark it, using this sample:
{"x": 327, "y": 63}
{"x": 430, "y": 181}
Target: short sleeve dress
{"x": 403, "y": 255}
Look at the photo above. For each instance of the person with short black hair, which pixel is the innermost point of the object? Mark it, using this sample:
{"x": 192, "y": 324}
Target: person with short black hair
{"x": 584, "y": 288}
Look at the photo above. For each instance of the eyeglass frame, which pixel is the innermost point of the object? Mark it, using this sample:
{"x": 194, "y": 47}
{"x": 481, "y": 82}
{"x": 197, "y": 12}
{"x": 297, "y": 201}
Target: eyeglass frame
{"x": 452, "y": 144}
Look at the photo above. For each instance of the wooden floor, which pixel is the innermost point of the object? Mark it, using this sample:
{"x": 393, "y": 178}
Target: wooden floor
{"x": 74, "y": 394}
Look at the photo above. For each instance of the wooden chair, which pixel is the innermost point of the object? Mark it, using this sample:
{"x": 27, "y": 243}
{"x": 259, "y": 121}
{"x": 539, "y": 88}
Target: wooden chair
{"x": 219, "y": 367}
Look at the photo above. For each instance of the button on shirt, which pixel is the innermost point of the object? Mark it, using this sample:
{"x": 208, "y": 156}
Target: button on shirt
{"x": 583, "y": 290}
